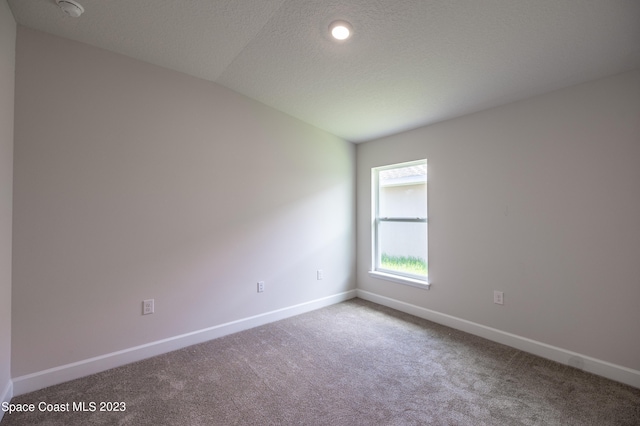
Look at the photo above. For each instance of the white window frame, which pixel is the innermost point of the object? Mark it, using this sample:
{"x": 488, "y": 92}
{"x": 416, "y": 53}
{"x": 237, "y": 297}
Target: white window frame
{"x": 376, "y": 270}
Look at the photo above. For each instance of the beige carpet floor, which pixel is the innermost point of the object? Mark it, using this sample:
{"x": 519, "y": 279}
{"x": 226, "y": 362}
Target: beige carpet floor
{"x": 354, "y": 363}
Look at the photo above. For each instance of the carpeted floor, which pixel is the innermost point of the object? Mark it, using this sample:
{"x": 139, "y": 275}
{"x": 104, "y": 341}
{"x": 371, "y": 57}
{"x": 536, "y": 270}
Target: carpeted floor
{"x": 355, "y": 363}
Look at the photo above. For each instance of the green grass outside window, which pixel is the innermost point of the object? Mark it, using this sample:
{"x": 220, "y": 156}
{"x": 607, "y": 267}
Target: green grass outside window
{"x": 406, "y": 264}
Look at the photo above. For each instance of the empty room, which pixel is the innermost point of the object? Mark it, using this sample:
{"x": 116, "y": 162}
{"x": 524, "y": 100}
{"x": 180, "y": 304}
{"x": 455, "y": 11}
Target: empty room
{"x": 353, "y": 212}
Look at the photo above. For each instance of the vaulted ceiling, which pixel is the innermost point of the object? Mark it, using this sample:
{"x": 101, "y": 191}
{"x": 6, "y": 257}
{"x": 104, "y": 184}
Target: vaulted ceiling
{"x": 409, "y": 62}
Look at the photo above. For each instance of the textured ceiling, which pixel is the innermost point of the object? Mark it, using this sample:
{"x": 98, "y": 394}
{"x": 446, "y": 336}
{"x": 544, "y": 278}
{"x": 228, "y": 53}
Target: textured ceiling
{"x": 408, "y": 64}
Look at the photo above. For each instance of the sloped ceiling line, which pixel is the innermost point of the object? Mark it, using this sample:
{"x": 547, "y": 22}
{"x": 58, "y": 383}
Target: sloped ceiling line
{"x": 410, "y": 63}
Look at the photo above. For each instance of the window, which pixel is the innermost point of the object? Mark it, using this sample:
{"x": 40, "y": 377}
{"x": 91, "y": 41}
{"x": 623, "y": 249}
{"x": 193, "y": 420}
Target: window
{"x": 399, "y": 223}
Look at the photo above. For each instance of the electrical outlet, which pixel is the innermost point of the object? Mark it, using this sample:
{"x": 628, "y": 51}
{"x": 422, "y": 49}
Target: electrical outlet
{"x": 498, "y": 297}
{"x": 319, "y": 274}
{"x": 147, "y": 307}
{"x": 260, "y": 286}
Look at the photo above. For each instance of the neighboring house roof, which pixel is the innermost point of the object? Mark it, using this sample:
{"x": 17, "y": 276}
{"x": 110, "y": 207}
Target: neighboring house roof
{"x": 404, "y": 176}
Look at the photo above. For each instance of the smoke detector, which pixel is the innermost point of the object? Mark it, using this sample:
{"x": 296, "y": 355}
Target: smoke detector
{"x": 70, "y": 7}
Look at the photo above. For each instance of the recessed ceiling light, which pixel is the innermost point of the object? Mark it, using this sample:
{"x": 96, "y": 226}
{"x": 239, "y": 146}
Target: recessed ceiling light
{"x": 70, "y": 7}
{"x": 340, "y": 30}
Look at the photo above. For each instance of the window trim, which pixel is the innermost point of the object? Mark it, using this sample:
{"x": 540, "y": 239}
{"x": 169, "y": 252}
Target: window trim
{"x": 376, "y": 271}
{"x": 400, "y": 279}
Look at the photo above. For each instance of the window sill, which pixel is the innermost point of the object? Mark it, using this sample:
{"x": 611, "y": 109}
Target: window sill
{"x": 402, "y": 280}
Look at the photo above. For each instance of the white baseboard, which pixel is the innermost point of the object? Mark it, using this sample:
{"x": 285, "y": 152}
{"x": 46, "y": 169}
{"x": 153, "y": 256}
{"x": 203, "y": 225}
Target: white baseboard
{"x": 592, "y": 365}
{"x": 64, "y": 373}
{"x": 6, "y": 396}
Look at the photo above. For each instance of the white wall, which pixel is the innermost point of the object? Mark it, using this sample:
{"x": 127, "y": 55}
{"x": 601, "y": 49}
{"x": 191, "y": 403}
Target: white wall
{"x": 539, "y": 199}
{"x": 7, "y": 68}
{"x": 136, "y": 182}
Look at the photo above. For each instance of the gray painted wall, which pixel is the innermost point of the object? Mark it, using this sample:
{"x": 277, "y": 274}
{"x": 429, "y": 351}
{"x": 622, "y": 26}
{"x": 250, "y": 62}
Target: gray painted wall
{"x": 7, "y": 68}
{"x": 539, "y": 199}
{"x": 136, "y": 182}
